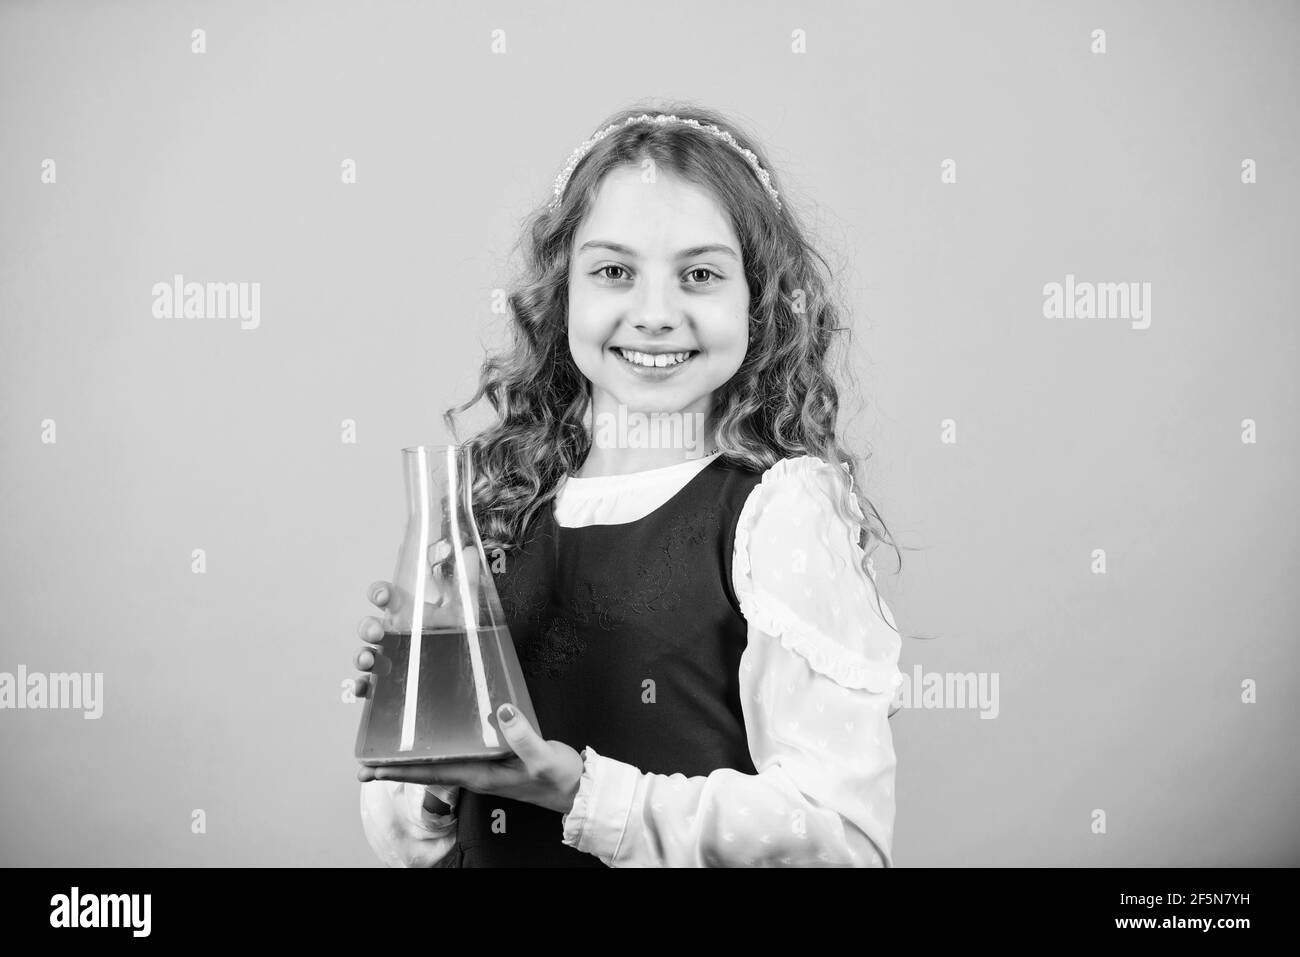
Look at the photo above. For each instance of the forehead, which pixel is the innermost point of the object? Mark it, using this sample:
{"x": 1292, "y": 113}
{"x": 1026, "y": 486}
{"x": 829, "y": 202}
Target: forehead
{"x": 671, "y": 211}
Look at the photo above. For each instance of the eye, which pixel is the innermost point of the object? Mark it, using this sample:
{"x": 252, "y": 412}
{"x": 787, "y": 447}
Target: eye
{"x": 710, "y": 277}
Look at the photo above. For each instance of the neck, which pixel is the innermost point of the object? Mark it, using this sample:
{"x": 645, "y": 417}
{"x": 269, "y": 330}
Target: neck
{"x": 615, "y": 461}
{"x": 625, "y": 439}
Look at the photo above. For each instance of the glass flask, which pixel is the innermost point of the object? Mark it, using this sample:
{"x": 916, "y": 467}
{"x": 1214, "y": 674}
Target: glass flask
{"x": 446, "y": 661}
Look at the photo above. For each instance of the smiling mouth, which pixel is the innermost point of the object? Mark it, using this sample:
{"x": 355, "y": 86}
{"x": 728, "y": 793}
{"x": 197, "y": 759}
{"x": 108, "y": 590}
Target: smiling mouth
{"x": 625, "y": 356}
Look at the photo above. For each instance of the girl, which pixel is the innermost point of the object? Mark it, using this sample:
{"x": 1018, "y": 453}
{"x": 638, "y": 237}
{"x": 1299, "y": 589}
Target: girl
{"x": 697, "y": 621}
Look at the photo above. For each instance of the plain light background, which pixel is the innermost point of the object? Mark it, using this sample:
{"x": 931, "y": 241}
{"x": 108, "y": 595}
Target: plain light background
{"x": 223, "y": 691}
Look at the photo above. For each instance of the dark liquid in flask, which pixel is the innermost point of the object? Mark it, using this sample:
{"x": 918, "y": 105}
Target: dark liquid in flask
{"x": 448, "y": 717}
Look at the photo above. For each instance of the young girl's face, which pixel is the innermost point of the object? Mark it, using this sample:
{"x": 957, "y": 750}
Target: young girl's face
{"x": 656, "y": 268}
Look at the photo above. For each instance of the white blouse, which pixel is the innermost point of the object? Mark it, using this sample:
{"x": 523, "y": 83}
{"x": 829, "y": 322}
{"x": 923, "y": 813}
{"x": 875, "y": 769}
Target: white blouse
{"x": 818, "y": 680}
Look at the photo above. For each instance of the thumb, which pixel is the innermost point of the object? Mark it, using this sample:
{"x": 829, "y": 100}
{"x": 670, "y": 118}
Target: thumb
{"x": 521, "y": 736}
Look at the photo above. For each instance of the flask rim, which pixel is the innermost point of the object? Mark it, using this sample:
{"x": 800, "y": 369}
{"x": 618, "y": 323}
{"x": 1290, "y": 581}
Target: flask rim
{"x": 430, "y": 449}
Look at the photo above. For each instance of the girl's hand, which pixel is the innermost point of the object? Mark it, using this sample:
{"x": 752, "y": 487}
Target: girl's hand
{"x": 383, "y": 594}
{"x": 545, "y": 773}
{"x": 540, "y": 772}
{"x": 371, "y": 630}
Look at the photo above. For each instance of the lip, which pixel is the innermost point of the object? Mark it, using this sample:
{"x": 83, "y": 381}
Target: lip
{"x": 659, "y": 351}
{"x": 653, "y": 372}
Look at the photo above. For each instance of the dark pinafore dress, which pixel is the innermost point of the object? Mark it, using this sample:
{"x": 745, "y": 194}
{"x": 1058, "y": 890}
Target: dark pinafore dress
{"x": 630, "y": 639}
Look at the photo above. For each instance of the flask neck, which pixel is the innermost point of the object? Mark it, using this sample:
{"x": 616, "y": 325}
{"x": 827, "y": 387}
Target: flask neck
{"x": 438, "y": 482}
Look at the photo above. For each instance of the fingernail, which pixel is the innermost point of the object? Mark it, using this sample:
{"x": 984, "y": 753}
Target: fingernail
{"x": 381, "y": 594}
{"x": 506, "y": 713}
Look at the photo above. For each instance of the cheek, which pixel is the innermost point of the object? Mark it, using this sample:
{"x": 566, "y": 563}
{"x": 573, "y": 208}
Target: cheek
{"x": 586, "y": 347}
{"x": 735, "y": 357}
{"x": 583, "y": 335}
{"x": 733, "y": 341}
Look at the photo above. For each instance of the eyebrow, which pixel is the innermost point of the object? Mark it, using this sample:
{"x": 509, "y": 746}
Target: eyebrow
{"x": 684, "y": 254}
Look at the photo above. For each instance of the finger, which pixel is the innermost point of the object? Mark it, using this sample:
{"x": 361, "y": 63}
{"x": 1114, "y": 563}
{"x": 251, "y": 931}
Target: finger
{"x": 379, "y": 593}
{"x": 361, "y": 686}
{"x": 371, "y": 630}
{"x": 437, "y": 571}
{"x": 365, "y": 659}
{"x": 523, "y": 738}
{"x": 451, "y": 774}
{"x": 439, "y": 552}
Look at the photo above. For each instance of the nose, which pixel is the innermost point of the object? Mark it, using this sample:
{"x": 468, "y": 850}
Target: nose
{"x": 656, "y": 325}
{"x": 656, "y": 314}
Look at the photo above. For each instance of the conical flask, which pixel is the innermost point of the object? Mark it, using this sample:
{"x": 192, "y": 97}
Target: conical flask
{"x": 446, "y": 661}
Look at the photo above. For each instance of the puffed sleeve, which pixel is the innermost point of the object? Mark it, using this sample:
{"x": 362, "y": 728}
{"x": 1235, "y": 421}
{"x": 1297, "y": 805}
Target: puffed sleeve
{"x": 817, "y": 680}
{"x": 398, "y": 827}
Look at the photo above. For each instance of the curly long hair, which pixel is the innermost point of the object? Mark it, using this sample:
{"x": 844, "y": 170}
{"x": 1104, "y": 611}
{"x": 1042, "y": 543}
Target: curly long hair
{"x": 782, "y": 402}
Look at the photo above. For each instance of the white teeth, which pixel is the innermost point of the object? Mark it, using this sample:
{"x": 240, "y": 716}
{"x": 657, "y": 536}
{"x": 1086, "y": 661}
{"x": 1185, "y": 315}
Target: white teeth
{"x": 644, "y": 359}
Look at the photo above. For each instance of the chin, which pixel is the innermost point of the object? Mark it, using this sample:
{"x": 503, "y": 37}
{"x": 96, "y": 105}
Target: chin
{"x": 653, "y": 402}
